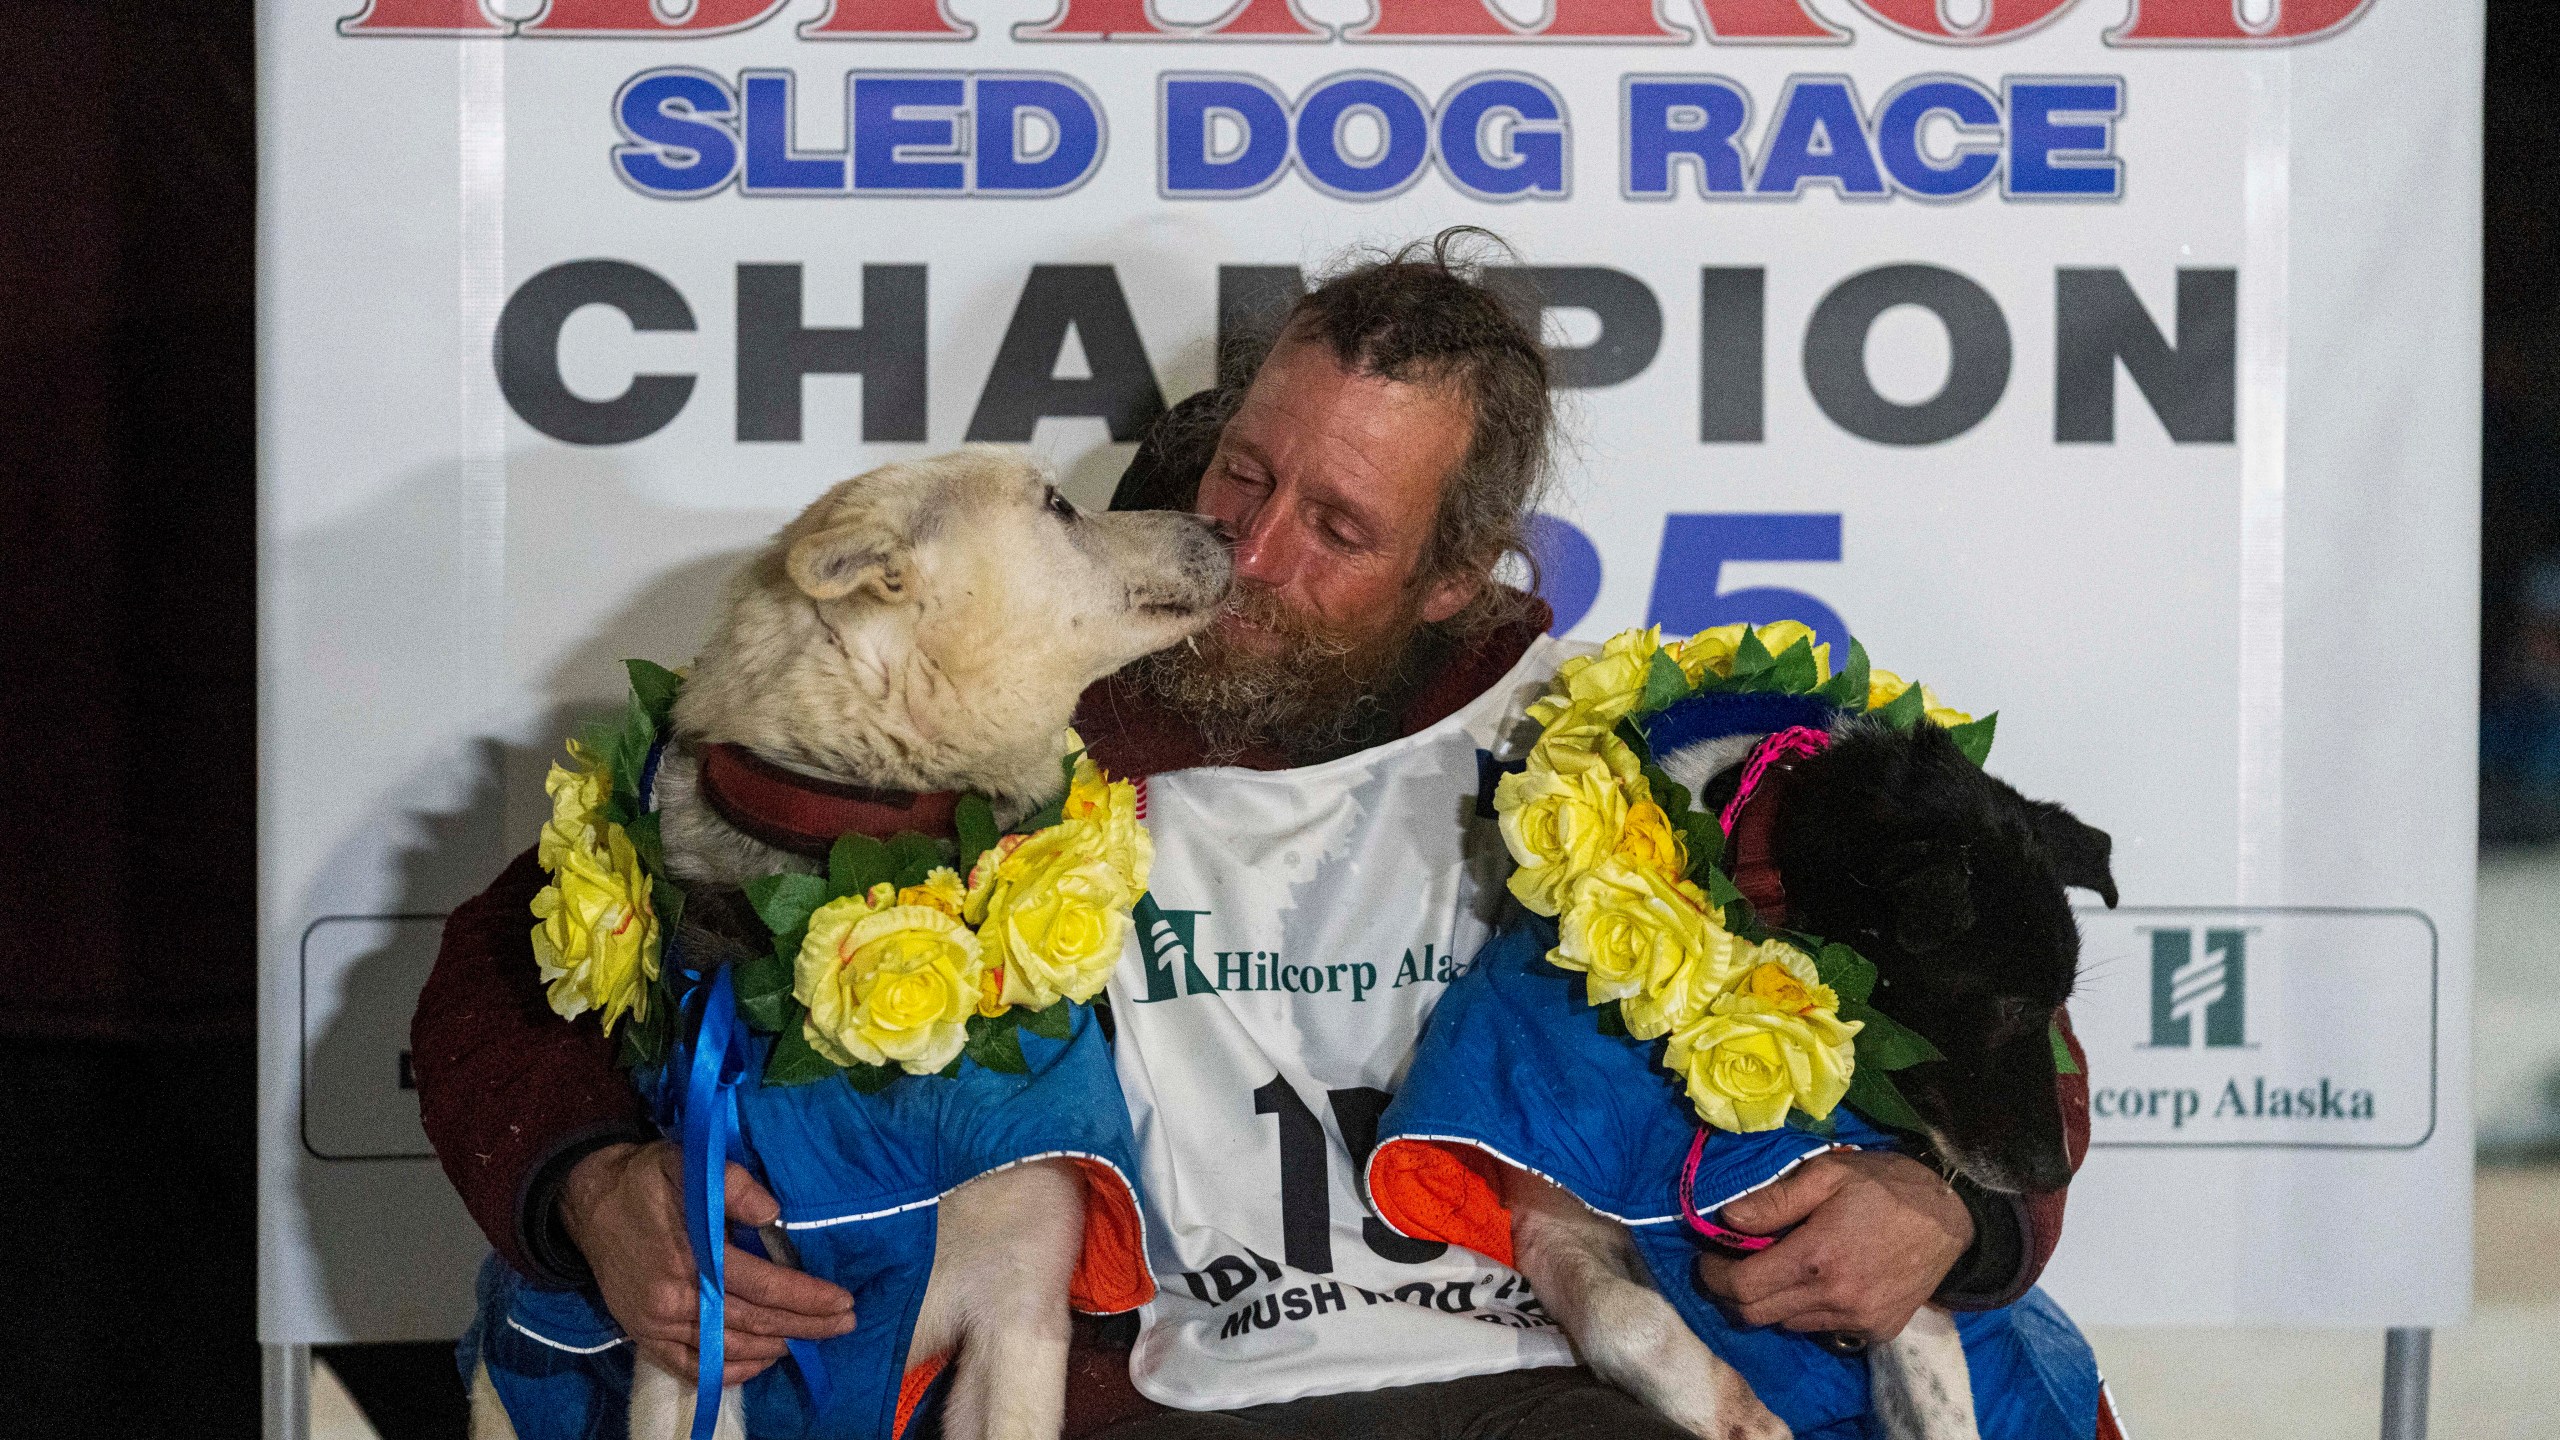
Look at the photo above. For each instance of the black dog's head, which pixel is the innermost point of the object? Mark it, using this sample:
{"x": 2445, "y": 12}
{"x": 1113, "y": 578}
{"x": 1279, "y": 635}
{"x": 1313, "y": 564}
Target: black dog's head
{"x": 1952, "y": 884}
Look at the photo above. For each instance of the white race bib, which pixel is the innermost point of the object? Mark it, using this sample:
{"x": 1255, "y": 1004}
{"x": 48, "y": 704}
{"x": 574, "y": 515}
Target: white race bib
{"x": 1310, "y": 920}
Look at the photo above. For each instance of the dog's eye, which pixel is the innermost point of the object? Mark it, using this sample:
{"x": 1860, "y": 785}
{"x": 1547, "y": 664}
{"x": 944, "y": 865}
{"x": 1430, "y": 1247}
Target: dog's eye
{"x": 1059, "y": 505}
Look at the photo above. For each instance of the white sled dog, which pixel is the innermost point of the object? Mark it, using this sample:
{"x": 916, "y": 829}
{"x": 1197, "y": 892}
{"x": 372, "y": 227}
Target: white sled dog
{"x": 928, "y": 626}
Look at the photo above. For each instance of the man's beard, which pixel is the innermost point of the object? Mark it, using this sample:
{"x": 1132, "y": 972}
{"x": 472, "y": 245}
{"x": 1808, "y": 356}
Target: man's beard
{"x": 1319, "y": 694}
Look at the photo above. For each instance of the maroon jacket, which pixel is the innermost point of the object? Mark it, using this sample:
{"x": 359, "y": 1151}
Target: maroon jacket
{"x": 512, "y": 1095}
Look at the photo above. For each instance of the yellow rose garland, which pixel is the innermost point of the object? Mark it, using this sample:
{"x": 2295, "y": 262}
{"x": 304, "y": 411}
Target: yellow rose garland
{"x": 868, "y": 976}
{"x": 1752, "y": 1030}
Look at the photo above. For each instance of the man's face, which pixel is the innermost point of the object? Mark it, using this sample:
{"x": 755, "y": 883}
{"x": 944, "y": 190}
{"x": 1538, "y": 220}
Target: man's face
{"x": 1330, "y": 483}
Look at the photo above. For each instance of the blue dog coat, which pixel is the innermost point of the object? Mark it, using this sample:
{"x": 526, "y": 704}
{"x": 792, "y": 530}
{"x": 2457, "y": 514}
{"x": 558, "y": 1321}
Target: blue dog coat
{"x": 1514, "y": 1068}
{"x": 857, "y": 1177}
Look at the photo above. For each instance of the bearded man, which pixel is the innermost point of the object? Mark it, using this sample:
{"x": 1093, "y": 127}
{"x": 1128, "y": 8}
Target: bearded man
{"x": 1310, "y": 757}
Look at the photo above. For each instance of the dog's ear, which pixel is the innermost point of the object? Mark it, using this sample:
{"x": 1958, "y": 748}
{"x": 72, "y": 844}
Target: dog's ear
{"x": 2080, "y": 850}
{"x": 859, "y": 555}
{"x": 1933, "y": 905}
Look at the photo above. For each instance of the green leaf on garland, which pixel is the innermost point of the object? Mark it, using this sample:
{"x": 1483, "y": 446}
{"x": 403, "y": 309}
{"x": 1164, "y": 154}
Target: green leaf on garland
{"x": 1872, "y": 1094}
{"x": 1053, "y": 1023}
{"x": 1905, "y": 709}
{"x": 1798, "y": 1120}
{"x": 1663, "y": 684}
{"x": 667, "y": 898}
{"x": 655, "y": 687}
{"x": 857, "y": 862}
{"x": 784, "y": 902}
{"x": 950, "y": 1071}
{"x": 871, "y": 1079}
{"x": 1044, "y": 817}
{"x": 1720, "y": 887}
{"x": 912, "y": 857}
{"x": 1851, "y": 975}
{"x": 995, "y": 1046}
{"x": 645, "y": 842}
{"x": 795, "y": 1061}
{"x": 1886, "y": 1043}
{"x": 2063, "y": 1064}
{"x": 1705, "y": 839}
{"x": 1793, "y": 673}
{"x": 764, "y": 991}
{"x": 1974, "y": 737}
{"x": 1611, "y": 1021}
{"x": 1633, "y": 734}
{"x": 1750, "y": 657}
{"x": 975, "y": 820}
{"x": 1847, "y": 688}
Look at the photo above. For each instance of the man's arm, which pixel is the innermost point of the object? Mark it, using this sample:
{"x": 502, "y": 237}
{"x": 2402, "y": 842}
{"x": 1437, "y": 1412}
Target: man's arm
{"x": 510, "y": 1093}
{"x": 1878, "y": 1235}
{"x": 556, "y": 1159}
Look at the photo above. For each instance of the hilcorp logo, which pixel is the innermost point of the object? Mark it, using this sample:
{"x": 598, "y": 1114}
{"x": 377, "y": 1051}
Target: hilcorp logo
{"x": 2280, "y": 1028}
{"x": 2198, "y": 996}
{"x": 1718, "y": 22}
{"x": 1168, "y": 941}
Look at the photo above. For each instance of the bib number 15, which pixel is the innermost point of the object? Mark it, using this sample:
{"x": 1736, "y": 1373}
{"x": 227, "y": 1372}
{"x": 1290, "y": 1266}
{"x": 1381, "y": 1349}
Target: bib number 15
{"x": 1306, "y": 1188}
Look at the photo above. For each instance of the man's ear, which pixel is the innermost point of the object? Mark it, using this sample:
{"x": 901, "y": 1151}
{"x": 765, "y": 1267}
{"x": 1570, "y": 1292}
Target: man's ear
{"x": 860, "y": 556}
{"x": 2080, "y": 851}
{"x": 1448, "y": 595}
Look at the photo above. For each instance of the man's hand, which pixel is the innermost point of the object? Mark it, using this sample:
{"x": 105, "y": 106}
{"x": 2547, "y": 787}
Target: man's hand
{"x": 1878, "y": 1233}
{"x": 624, "y": 1207}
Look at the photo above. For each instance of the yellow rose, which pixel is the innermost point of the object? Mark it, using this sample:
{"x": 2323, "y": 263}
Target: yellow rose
{"x": 1562, "y": 816}
{"x": 1627, "y": 928}
{"x": 1109, "y": 809}
{"x": 1607, "y": 684}
{"x": 1884, "y": 687}
{"x": 1709, "y": 652}
{"x": 940, "y": 890}
{"x": 1780, "y": 637}
{"x": 1774, "y": 1042}
{"x": 1056, "y": 915}
{"x": 1682, "y": 997}
{"x": 576, "y": 797}
{"x": 597, "y": 942}
{"x": 888, "y": 985}
{"x": 1649, "y": 843}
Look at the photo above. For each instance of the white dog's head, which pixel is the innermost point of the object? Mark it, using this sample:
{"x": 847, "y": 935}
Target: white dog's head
{"x": 929, "y": 625}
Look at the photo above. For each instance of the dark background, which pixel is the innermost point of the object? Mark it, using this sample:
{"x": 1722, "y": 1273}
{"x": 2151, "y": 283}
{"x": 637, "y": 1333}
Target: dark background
{"x": 127, "y": 715}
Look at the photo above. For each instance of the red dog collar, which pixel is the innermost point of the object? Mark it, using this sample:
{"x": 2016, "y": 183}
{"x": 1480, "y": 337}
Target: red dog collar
{"x": 804, "y": 815}
{"x": 1750, "y": 818}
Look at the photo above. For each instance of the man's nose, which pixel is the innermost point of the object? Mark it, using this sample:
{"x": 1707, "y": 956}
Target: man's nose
{"x": 1265, "y": 553}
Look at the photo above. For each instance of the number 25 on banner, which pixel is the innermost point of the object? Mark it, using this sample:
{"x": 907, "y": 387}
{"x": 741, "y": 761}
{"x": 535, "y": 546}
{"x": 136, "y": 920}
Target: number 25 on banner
{"x": 1688, "y": 593}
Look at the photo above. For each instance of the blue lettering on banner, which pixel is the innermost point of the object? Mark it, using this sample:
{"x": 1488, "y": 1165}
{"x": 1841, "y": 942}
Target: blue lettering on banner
{"x": 687, "y": 134}
{"x": 1934, "y": 137}
{"x": 1496, "y": 136}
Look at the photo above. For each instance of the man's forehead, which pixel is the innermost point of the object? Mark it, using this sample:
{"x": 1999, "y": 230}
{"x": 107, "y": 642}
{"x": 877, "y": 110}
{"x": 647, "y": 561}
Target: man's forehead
{"x": 1356, "y": 433}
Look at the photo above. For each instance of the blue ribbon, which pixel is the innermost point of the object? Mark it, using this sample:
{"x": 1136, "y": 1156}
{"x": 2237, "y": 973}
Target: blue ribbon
{"x": 707, "y": 1121}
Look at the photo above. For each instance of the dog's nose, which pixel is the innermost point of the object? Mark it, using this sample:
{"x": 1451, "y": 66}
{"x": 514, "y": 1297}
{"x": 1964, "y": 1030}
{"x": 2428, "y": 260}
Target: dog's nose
{"x": 1225, "y": 532}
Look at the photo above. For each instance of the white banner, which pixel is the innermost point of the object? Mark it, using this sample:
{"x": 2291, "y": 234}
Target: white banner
{"x": 2108, "y": 363}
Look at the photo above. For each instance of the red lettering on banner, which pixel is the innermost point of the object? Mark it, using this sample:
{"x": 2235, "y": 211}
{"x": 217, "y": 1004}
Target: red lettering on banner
{"x": 640, "y": 17}
{"x": 1278, "y": 19}
{"x": 1475, "y": 19}
{"x": 885, "y": 20}
{"x": 422, "y": 17}
{"x": 2000, "y": 19}
{"x": 2218, "y": 22}
{"x": 1096, "y": 20}
{"x": 1432, "y": 19}
{"x": 1607, "y": 20}
{"x": 1764, "y": 20}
